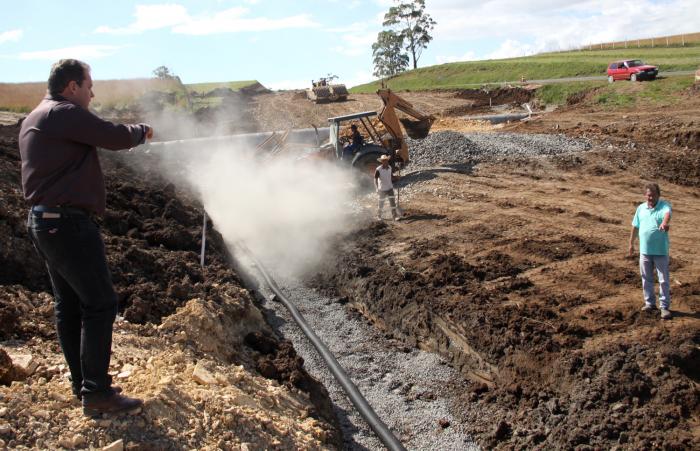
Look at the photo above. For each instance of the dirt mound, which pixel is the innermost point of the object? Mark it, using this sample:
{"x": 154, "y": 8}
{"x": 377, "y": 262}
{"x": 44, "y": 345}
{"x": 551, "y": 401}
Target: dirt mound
{"x": 498, "y": 96}
{"x": 254, "y": 89}
{"x": 180, "y": 341}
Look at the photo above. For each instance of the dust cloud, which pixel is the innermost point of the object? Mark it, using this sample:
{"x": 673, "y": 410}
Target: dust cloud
{"x": 286, "y": 209}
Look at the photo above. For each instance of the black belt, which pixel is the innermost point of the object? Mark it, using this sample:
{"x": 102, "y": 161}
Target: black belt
{"x": 58, "y": 212}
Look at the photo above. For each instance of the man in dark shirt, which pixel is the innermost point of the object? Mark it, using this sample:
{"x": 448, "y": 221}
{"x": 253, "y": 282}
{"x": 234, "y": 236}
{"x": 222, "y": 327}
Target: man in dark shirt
{"x": 63, "y": 182}
{"x": 357, "y": 141}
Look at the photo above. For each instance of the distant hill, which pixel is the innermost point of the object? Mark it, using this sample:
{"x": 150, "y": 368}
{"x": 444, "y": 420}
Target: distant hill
{"x": 22, "y": 97}
{"x": 577, "y": 63}
{"x": 661, "y": 41}
{"x": 203, "y": 88}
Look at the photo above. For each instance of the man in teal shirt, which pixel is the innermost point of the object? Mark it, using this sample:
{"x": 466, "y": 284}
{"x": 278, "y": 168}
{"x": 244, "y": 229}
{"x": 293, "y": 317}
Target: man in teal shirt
{"x": 651, "y": 223}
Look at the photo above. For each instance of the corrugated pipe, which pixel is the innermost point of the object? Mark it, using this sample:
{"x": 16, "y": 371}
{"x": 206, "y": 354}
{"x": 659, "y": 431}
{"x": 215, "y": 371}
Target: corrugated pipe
{"x": 383, "y": 433}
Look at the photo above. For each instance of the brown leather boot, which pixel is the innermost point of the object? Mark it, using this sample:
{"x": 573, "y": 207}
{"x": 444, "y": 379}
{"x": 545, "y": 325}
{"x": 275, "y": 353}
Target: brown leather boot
{"x": 114, "y": 403}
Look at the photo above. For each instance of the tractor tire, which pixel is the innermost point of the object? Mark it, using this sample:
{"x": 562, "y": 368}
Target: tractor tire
{"x": 367, "y": 163}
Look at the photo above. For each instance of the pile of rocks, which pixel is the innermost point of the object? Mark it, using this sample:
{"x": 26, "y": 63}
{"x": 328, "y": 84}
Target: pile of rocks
{"x": 449, "y": 147}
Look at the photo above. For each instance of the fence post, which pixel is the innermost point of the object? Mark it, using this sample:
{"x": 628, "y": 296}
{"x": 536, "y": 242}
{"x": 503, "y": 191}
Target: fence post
{"x": 652, "y": 43}
{"x": 666, "y": 41}
{"x": 683, "y": 40}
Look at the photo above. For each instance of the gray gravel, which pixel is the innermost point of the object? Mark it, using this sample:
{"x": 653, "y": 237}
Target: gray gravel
{"x": 449, "y": 148}
{"x": 404, "y": 386}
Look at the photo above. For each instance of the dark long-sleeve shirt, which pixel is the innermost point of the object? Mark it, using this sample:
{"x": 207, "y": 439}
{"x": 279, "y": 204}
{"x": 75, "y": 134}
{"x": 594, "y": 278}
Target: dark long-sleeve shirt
{"x": 58, "y": 144}
{"x": 357, "y": 139}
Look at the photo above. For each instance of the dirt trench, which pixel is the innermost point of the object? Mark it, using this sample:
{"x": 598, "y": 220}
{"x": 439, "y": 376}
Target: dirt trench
{"x": 173, "y": 311}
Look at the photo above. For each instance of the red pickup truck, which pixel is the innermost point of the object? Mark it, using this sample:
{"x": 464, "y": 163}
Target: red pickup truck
{"x": 632, "y": 70}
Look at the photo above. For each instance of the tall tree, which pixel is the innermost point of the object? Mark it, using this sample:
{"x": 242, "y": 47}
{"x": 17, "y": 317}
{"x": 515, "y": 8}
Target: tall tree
{"x": 389, "y": 58}
{"x": 163, "y": 73}
{"x": 413, "y": 25}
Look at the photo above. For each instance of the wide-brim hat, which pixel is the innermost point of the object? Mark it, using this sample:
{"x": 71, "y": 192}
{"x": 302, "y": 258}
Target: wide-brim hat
{"x": 383, "y": 158}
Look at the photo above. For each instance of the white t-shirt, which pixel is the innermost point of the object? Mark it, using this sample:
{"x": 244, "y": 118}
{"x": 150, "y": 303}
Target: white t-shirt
{"x": 384, "y": 176}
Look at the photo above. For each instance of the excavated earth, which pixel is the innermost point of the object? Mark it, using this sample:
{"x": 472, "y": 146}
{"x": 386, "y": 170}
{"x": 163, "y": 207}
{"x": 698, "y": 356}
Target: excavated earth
{"x": 190, "y": 341}
{"x": 514, "y": 270}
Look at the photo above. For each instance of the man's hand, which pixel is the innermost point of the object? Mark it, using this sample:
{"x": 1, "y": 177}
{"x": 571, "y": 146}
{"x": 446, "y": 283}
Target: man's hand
{"x": 664, "y": 227}
{"x": 630, "y": 251}
{"x": 149, "y": 132}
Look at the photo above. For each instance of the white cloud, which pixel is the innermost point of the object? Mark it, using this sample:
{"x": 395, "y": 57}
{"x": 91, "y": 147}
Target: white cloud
{"x": 151, "y": 17}
{"x": 177, "y": 18}
{"x": 82, "y": 52}
{"x": 9, "y": 36}
{"x": 511, "y": 48}
{"x": 559, "y": 24}
{"x": 355, "y": 39}
{"x": 468, "y": 56}
{"x": 232, "y": 21}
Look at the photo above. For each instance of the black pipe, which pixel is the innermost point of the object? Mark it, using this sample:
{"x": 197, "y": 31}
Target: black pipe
{"x": 385, "y": 435}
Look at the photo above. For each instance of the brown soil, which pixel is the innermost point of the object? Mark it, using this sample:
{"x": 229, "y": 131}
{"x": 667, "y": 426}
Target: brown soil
{"x": 524, "y": 287}
{"x": 178, "y": 320}
{"x": 528, "y": 291}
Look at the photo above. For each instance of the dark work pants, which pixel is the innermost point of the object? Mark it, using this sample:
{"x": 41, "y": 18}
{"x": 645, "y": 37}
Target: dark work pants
{"x": 85, "y": 302}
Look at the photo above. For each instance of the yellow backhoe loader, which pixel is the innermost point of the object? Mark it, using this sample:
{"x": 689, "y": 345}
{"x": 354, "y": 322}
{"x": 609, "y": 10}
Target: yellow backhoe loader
{"x": 390, "y": 141}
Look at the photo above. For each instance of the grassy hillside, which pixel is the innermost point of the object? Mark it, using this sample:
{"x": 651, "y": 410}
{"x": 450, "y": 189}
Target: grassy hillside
{"x": 543, "y": 66}
{"x": 664, "y": 91}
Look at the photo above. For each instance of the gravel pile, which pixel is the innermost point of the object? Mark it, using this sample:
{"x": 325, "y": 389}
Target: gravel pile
{"x": 403, "y": 385}
{"x": 448, "y": 147}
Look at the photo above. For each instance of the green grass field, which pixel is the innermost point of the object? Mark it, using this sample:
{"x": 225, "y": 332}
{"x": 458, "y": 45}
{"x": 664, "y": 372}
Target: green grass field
{"x": 537, "y": 67}
{"x": 663, "y": 91}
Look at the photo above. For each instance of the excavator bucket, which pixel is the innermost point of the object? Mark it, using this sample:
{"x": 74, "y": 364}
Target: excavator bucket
{"x": 417, "y": 129}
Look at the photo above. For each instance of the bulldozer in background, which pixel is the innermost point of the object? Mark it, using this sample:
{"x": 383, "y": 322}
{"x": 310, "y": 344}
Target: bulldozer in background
{"x": 324, "y": 91}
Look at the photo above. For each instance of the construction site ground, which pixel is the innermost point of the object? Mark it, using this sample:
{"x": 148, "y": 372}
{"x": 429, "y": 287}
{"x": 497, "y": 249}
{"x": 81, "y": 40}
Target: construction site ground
{"x": 515, "y": 271}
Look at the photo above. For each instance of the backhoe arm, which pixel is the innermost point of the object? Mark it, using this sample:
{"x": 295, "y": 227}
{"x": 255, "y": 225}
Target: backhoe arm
{"x": 415, "y": 129}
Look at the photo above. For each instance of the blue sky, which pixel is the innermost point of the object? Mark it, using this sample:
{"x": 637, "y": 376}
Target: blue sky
{"x": 284, "y": 44}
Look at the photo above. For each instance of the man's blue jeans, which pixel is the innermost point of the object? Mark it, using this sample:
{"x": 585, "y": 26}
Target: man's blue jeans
{"x": 647, "y": 263}
{"x": 85, "y": 301}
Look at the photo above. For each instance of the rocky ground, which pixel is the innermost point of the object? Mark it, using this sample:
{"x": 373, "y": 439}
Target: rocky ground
{"x": 189, "y": 341}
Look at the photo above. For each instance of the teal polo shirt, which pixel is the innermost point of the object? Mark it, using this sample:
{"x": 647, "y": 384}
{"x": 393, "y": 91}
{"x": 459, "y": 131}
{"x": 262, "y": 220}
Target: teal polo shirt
{"x": 652, "y": 241}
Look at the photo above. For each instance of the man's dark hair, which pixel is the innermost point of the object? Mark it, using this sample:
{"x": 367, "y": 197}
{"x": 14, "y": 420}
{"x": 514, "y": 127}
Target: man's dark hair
{"x": 65, "y": 71}
{"x": 353, "y": 127}
{"x": 653, "y": 187}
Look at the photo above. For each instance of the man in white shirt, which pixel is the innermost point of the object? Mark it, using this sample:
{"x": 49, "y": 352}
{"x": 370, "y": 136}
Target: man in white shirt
{"x": 383, "y": 181}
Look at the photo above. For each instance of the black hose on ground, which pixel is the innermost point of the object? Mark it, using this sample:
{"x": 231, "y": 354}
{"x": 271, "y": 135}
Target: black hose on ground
{"x": 383, "y": 433}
